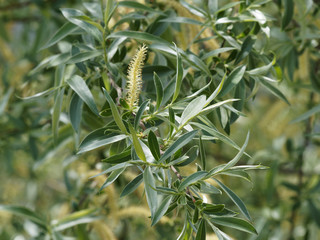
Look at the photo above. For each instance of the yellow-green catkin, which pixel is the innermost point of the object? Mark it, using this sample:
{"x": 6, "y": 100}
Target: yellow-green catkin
{"x": 134, "y": 84}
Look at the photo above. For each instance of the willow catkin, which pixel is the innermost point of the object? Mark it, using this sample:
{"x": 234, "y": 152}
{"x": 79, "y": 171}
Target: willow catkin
{"x": 134, "y": 84}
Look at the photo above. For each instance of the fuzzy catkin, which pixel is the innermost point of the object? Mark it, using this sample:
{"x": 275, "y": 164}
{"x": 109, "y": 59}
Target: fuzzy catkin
{"x": 134, "y": 84}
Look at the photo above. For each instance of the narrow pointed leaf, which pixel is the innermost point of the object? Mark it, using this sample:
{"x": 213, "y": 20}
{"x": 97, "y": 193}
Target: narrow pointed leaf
{"x": 98, "y": 139}
{"x": 80, "y": 87}
{"x": 154, "y": 145}
{"x": 112, "y": 177}
{"x": 201, "y": 233}
{"x": 235, "y": 223}
{"x": 235, "y": 199}
{"x": 159, "y": 89}
{"x": 151, "y": 193}
{"x": 115, "y": 113}
{"x": 24, "y": 212}
{"x": 178, "y": 144}
{"x": 141, "y": 110}
{"x": 238, "y": 156}
{"x": 162, "y": 209}
{"x": 64, "y": 31}
{"x": 193, "y": 178}
{"x": 193, "y": 109}
{"x": 136, "y": 144}
{"x": 232, "y": 80}
{"x": 179, "y": 76}
{"x": 133, "y": 185}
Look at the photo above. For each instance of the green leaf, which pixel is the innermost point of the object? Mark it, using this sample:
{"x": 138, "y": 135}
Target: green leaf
{"x": 98, "y": 139}
{"x": 264, "y": 69}
{"x": 115, "y": 113}
{"x": 288, "y": 6}
{"x": 72, "y": 14}
{"x": 64, "y": 31}
{"x": 245, "y": 49}
{"x": 113, "y": 168}
{"x": 112, "y": 177}
{"x": 56, "y": 114}
{"x": 235, "y": 199}
{"x": 80, "y": 87}
{"x": 217, "y": 91}
{"x": 159, "y": 89}
{"x": 151, "y": 193}
{"x": 192, "y": 110}
{"x": 202, "y": 154}
{"x": 215, "y": 133}
{"x": 142, "y": 36}
{"x": 201, "y": 232}
{"x": 136, "y": 144}
{"x": 216, "y": 52}
{"x": 208, "y": 188}
{"x": 178, "y": 144}
{"x": 274, "y": 90}
{"x": 74, "y": 219}
{"x": 133, "y": 185}
{"x": 307, "y": 114}
{"x": 119, "y": 158}
{"x": 210, "y": 208}
{"x": 154, "y": 145}
{"x": 181, "y": 20}
{"x": 236, "y": 159}
{"x": 192, "y": 155}
{"x": 138, "y": 116}
{"x": 5, "y": 99}
{"x": 235, "y": 223}
{"x": 314, "y": 212}
{"x": 136, "y": 5}
{"x": 75, "y": 112}
{"x": 24, "y": 212}
{"x": 179, "y": 77}
{"x": 42, "y": 94}
{"x": 221, "y": 235}
{"x": 162, "y": 209}
{"x": 83, "y": 56}
{"x": 193, "y": 178}
{"x": 232, "y": 80}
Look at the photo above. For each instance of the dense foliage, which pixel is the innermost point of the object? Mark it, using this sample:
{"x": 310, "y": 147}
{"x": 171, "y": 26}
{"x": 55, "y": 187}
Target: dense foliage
{"x": 104, "y": 99}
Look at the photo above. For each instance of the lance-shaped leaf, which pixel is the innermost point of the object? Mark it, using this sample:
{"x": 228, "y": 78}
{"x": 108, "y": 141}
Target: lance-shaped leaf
{"x": 154, "y": 145}
{"x": 178, "y": 144}
{"x": 141, "y": 110}
{"x": 64, "y": 31}
{"x": 74, "y": 219}
{"x": 98, "y": 139}
{"x": 162, "y": 209}
{"x": 151, "y": 193}
{"x": 24, "y": 212}
{"x": 112, "y": 177}
{"x": 201, "y": 233}
{"x": 133, "y": 185}
{"x": 193, "y": 178}
{"x": 232, "y": 80}
{"x": 159, "y": 89}
{"x": 193, "y": 109}
{"x": 179, "y": 76}
{"x": 115, "y": 113}
{"x": 235, "y": 199}
{"x": 80, "y": 87}
{"x": 136, "y": 144}
{"x": 236, "y": 223}
{"x": 238, "y": 156}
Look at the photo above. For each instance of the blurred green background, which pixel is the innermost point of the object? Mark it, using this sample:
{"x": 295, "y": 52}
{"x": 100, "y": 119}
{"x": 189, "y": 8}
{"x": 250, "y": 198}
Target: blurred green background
{"x": 284, "y": 200}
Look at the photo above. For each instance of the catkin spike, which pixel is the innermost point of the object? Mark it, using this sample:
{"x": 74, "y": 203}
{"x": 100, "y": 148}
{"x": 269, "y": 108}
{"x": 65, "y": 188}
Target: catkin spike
{"x": 134, "y": 84}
